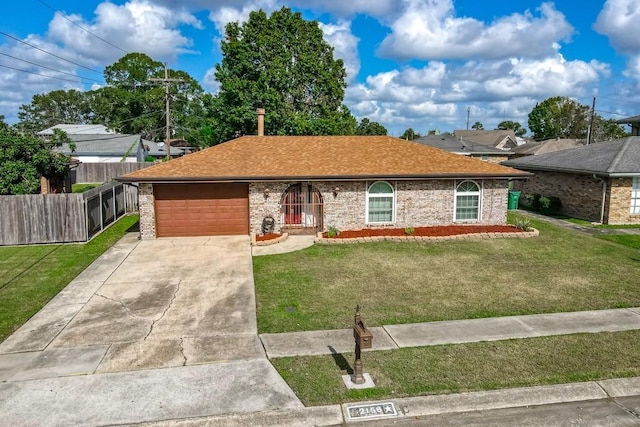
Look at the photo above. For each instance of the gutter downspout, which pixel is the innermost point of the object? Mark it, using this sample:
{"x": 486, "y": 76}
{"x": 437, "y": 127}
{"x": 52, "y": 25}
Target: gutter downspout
{"x": 604, "y": 197}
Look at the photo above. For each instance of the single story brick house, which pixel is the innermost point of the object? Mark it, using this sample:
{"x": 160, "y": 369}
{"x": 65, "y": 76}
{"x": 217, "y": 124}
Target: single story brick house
{"x": 597, "y": 182}
{"x": 306, "y": 184}
{"x": 461, "y": 146}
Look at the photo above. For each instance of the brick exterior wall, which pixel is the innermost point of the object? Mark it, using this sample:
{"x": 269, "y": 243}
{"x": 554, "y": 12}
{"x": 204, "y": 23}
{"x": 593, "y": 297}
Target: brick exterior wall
{"x": 619, "y": 197}
{"x": 147, "y": 211}
{"x": 418, "y": 203}
{"x": 581, "y": 195}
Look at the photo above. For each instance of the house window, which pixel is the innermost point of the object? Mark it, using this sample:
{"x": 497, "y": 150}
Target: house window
{"x": 635, "y": 196}
{"x": 380, "y": 203}
{"x": 467, "y": 201}
{"x": 485, "y": 157}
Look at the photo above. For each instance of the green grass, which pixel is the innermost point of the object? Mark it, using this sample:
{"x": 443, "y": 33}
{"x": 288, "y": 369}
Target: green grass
{"x": 81, "y": 188}
{"x": 316, "y": 380}
{"x": 561, "y": 270}
{"x": 631, "y": 240}
{"x": 31, "y": 275}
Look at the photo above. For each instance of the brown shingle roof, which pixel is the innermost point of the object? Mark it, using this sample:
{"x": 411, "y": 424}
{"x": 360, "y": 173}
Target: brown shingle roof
{"x": 253, "y": 158}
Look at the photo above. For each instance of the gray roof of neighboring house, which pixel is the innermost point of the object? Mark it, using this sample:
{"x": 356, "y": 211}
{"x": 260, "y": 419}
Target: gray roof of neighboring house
{"x": 459, "y": 146}
{"x": 486, "y": 137}
{"x": 119, "y": 145}
{"x": 547, "y": 146}
{"x": 78, "y": 130}
{"x": 620, "y": 157}
{"x": 629, "y": 120}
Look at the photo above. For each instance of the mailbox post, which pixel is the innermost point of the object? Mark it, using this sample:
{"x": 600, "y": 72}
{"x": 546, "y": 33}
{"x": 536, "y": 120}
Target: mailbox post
{"x": 364, "y": 339}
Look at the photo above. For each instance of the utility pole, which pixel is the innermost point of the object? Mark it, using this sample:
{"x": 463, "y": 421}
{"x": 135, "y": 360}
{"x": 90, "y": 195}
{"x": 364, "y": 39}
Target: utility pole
{"x": 590, "y": 128}
{"x": 166, "y": 81}
{"x": 468, "y": 113}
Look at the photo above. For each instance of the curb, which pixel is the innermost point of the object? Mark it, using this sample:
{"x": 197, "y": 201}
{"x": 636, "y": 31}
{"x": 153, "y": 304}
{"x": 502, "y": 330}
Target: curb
{"x": 423, "y": 406}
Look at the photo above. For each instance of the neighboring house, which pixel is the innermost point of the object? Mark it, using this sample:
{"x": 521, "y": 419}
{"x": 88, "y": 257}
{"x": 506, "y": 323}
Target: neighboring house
{"x": 108, "y": 148}
{"x": 502, "y": 139}
{"x": 463, "y": 147}
{"x": 532, "y": 148}
{"x": 597, "y": 182}
{"x": 310, "y": 183}
{"x": 78, "y": 130}
{"x": 634, "y": 122}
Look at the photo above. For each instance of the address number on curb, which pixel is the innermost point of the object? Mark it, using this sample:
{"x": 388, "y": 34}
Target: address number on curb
{"x": 386, "y": 409}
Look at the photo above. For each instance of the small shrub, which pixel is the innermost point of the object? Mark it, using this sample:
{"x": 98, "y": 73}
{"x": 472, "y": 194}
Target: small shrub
{"x": 332, "y": 232}
{"x": 409, "y": 231}
{"x": 533, "y": 200}
{"x": 549, "y": 204}
{"x": 523, "y": 224}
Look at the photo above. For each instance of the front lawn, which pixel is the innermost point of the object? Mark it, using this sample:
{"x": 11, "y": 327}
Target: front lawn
{"x": 456, "y": 368}
{"x": 561, "y": 270}
{"x": 31, "y": 275}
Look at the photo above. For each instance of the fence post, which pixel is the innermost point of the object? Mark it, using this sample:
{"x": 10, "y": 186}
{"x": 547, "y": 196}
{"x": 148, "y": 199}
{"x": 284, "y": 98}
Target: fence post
{"x": 86, "y": 219}
{"x": 115, "y": 202}
{"x": 101, "y": 213}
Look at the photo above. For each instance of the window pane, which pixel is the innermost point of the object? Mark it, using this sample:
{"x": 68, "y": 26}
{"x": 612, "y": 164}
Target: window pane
{"x": 380, "y": 209}
{"x": 467, "y": 207}
{"x": 381, "y": 187}
{"x": 635, "y": 196}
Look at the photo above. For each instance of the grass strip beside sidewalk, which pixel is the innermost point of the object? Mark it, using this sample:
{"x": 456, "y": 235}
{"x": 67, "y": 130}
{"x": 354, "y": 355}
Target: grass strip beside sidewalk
{"x": 316, "y": 380}
{"x": 31, "y": 275}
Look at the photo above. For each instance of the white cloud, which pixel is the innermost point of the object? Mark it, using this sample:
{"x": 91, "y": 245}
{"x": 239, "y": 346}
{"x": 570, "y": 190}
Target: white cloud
{"x": 136, "y": 26}
{"x": 429, "y": 29}
{"x": 345, "y": 46}
{"x": 619, "y": 20}
{"x": 497, "y": 90}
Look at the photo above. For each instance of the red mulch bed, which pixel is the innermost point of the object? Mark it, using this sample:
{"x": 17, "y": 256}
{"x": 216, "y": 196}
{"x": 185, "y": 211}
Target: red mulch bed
{"x": 268, "y": 236}
{"x": 446, "y": 230}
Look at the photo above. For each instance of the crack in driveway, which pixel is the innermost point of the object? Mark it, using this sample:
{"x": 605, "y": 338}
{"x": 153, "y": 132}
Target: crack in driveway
{"x": 182, "y": 352}
{"x": 173, "y": 298}
{"x": 121, "y": 304}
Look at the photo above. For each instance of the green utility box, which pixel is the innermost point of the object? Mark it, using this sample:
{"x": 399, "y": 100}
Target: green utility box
{"x": 514, "y": 196}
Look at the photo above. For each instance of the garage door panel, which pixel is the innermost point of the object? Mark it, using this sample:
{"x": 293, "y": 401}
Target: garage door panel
{"x": 201, "y": 209}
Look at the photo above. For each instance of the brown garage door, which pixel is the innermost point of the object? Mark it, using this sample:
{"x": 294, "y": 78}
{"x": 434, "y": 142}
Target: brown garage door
{"x": 201, "y": 209}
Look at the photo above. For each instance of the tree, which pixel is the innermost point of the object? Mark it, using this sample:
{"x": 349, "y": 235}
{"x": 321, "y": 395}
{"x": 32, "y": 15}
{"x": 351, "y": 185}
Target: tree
{"x": 511, "y": 125}
{"x": 52, "y": 108}
{"x": 24, "y": 159}
{"x": 477, "y": 126}
{"x": 559, "y": 117}
{"x": 3, "y": 124}
{"x": 132, "y": 103}
{"x": 604, "y": 130}
{"x": 280, "y": 63}
{"x": 367, "y": 127}
{"x": 410, "y": 135}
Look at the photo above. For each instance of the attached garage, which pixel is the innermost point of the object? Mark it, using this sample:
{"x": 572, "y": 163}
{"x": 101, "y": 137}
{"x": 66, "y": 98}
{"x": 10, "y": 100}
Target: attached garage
{"x": 201, "y": 209}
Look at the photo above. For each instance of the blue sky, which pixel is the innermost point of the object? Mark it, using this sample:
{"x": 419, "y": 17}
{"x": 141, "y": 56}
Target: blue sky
{"x": 410, "y": 63}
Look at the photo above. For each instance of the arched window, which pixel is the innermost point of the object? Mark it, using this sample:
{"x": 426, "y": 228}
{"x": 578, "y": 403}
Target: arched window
{"x": 380, "y": 203}
{"x": 467, "y": 201}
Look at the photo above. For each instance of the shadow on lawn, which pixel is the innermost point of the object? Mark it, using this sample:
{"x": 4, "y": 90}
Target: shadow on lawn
{"x": 340, "y": 361}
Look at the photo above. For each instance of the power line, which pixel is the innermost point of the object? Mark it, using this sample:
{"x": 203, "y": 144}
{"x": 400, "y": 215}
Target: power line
{"x": 52, "y": 69}
{"x": 82, "y": 28}
{"x": 47, "y": 52}
{"x": 42, "y": 75}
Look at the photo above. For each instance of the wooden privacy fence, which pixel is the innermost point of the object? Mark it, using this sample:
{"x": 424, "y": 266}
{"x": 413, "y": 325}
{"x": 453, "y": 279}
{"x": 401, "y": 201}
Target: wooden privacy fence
{"x": 63, "y": 218}
{"x": 103, "y": 172}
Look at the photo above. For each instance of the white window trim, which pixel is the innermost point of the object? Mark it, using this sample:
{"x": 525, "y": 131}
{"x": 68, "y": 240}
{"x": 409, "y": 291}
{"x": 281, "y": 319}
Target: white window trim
{"x": 634, "y": 208}
{"x": 393, "y": 204}
{"x": 455, "y": 200}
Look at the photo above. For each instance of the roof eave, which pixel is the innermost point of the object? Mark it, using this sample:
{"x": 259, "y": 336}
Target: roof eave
{"x": 222, "y": 179}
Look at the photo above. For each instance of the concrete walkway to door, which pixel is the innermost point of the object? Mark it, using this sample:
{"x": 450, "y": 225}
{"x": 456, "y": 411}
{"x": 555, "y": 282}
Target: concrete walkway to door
{"x": 153, "y": 330}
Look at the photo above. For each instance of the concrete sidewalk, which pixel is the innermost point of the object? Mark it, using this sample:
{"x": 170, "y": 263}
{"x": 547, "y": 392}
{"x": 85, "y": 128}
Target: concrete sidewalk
{"x": 453, "y": 332}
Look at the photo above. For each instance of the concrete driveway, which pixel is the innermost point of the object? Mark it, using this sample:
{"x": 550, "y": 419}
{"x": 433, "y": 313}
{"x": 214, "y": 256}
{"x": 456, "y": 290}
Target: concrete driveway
{"x": 187, "y": 304}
